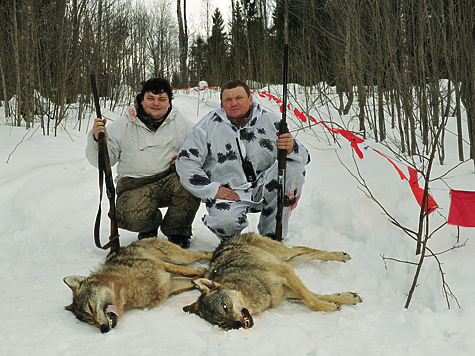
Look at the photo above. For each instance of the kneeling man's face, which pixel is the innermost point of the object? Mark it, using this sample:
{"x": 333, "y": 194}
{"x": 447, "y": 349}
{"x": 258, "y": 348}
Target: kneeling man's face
{"x": 155, "y": 105}
{"x": 236, "y": 103}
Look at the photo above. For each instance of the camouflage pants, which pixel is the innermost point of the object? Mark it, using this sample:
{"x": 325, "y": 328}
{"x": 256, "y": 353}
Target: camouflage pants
{"x": 138, "y": 208}
{"x": 227, "y": 219}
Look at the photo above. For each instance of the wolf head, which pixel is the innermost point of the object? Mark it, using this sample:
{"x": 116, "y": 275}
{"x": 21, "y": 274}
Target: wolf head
{"x": 92, "y": 302}
{"x": 220, "y": 306}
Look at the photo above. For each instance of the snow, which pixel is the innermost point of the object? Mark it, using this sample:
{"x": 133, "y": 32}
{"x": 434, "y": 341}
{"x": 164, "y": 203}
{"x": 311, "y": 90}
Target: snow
{"x": 49, "y": 198}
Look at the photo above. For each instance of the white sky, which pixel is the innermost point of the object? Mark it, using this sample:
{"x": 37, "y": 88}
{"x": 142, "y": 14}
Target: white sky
{"x": 196, "y": 13}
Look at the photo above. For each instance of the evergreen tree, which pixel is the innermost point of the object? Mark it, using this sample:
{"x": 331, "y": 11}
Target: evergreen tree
{"x": 308, "y": 24}
{"x": 197, "y": 63}
{"x": 217, "y": 58}
{"x": 238, "y": 46}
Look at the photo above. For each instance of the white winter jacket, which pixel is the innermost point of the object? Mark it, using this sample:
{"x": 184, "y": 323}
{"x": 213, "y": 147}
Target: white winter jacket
{"x": 210, "y": 157}
{"x": 137, "y": 150}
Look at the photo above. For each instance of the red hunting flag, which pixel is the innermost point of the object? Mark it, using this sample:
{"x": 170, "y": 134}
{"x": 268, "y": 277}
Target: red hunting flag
{"x": 353, "y": 139}
{"x": 402, "y": 175}
{"x": 419, "y": 192}
{"x": 300, "y": 115}
{"x": 462, "y": 208}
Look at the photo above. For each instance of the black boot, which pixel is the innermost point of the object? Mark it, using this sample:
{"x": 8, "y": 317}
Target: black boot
{"x": 271, "y": 236}
{"x": 148, "y": 234}
{"x": 180, "y": 240}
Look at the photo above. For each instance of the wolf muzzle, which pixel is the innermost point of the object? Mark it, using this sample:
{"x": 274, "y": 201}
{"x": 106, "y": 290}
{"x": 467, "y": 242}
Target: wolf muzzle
{"x": 247, "y": 321}
{"x": 112, "y": 315}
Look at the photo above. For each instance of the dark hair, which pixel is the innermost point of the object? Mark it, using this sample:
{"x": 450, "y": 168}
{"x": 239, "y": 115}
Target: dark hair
{"x": 234, "y": 84}
{"x": 157, "y": 86}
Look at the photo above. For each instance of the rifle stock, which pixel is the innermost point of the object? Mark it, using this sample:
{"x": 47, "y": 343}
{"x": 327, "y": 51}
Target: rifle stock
{"x": 104, "y": 169}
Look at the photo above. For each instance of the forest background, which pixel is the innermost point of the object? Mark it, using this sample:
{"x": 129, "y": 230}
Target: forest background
{"x": 400, "y": 73}
{"x": 387, "y": 57}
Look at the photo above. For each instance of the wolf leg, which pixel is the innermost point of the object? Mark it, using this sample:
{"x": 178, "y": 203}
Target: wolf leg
{"x": 186, "y": 257}
{"x": 267, "y": 244}
{"x": 300, "y": 291}
{"x": 183, "y": 271}
{"x": 292, "y": 256}
{"x": 307, "y": 254}
{"x": 180, "y": 285}
{"x": 163, "y": 250}
{"x": 347, "y": 298}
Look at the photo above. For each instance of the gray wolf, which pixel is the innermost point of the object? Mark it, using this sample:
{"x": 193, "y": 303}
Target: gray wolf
{"x": 141, "y": 275}
{"x": 250, "y": 273}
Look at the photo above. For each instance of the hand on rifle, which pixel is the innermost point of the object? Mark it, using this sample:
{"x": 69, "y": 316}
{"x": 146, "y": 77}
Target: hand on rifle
{"x": 285, "y": 142}
{"x": 99, "y": 126}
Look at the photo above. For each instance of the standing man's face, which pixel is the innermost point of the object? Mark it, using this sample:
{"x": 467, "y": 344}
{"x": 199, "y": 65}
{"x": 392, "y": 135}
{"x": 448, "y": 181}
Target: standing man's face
{"x": 236, "y": 103}
{"x": 156, "y": 105}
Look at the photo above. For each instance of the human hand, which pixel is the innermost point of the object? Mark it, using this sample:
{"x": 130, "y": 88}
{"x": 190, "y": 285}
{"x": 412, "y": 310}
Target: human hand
{"x": 226, "y": 194}
{"x": 99, "y": 126}
{"x": 174, "y": 160}
{"x": 285, "y": 142}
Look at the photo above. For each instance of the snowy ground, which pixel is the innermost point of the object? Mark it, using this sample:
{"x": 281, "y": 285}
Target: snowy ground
{"x": 48, "y": 202}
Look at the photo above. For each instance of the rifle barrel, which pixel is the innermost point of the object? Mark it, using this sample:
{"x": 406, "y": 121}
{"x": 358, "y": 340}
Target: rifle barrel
{"x": 96, "y": 96}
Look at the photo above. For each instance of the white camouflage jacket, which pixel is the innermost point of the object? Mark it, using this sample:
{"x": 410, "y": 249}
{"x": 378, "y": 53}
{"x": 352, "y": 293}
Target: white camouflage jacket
{"x": 137, "y": 150}
{"x": 210, "y": 158}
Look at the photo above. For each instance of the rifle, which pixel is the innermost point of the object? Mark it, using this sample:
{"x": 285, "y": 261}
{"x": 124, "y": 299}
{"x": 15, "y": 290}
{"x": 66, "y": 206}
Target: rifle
{"x": 104, "y": 167}
{"x": 282, "y": 153}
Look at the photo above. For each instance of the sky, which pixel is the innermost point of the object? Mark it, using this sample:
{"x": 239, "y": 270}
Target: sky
{"x": 48, "y": 202}
{"x": 196, "y": 12}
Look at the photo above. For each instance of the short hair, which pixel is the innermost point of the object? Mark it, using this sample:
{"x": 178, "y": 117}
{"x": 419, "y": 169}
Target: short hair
{"x": 157, "y": 86}
{"x": 234, "y": 84}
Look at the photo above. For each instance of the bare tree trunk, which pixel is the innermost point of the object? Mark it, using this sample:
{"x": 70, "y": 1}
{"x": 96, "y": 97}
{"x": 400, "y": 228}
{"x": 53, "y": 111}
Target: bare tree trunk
{"x": 265, "y": 47}
{"x": 379, "y": 72}
{"x": 61, "y": 64}
{"x": 207, "y": 6}
{"x": 468, "y": 76}
{"x": 4, "y": 85}
{"x": 28, "y": 90}
{"x": 183, "y": 40}
{"x": 248, "y": 44}
{"x": 16, "y": 57}
{"x": 452, "y": 60}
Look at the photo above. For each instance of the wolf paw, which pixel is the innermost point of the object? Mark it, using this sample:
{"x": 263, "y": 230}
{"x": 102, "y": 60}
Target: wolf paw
{"x": 341, "y": 256}
{"x": 348, "y": 298}
{"x": 323, "y": 306}
{"x": 331, "y": 307}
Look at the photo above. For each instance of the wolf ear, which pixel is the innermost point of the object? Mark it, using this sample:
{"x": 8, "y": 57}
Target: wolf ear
{"x": 205, "y": 285}
{"x": 192, "y": 309}
{"x": 74, "y": 281}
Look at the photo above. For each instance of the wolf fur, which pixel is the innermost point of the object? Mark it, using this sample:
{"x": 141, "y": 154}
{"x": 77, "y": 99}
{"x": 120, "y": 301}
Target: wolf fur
{"x": 141, "y": 275}
{"x": 250, "y": 273}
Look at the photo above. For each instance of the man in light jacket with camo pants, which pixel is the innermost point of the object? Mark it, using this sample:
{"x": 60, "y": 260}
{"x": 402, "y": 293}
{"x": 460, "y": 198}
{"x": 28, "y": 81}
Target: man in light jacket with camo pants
{"x": 144, "y": 144}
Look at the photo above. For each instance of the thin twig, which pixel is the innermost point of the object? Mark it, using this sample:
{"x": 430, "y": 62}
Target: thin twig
{"x": 18, "y": 144}
{"x": 396, "y": 260}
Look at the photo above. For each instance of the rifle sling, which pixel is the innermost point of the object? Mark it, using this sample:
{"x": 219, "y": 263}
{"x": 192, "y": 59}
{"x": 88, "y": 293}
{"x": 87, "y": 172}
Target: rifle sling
{"x": 102, "y": 169}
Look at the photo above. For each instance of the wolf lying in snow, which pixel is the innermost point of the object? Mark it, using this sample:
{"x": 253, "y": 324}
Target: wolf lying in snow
{"x": 250, "y": 273}
{"x": 141, "y": 275}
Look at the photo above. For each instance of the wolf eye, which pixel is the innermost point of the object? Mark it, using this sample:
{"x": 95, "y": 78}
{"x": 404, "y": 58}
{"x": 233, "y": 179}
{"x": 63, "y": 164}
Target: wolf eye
{"x": 89, "y": 307}
{"x": 225, "y": 307}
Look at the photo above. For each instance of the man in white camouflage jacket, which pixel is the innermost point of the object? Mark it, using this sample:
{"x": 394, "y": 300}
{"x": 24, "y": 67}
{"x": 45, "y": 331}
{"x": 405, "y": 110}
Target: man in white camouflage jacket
{"x": 230, "y": 162}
